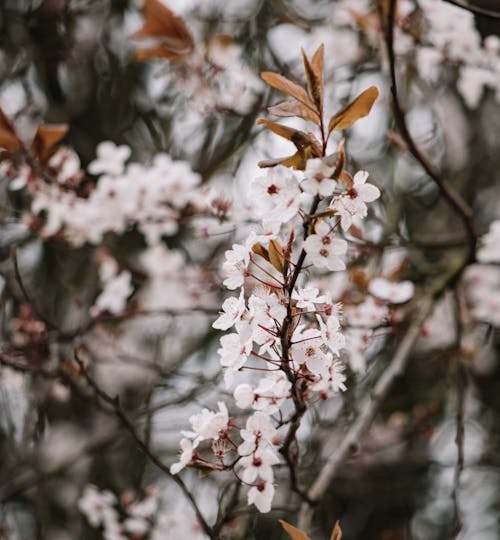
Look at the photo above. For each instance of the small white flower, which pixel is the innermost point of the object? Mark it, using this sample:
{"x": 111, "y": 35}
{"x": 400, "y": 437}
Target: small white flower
{"x": 277, "y": 197}
{"x": 318, "y": 181}
{"x": 307, "y": 350}
{"x": 323, "y": 250}
{"x": 353, "y": 202}
{"x": 330, "y": 333}
{"x": 259, "y": 464}
{"x": 208, "y": 424}
{"x": 258, "y": 432}
{"x": 233, "y": 353}
{"x": 261, "y": 496}
{"x": 96, "y": 505}
{"x": 392, "y": 292}
{"x": 233, "y": 308}
{"x": 186, "y": 456}
{"x": 110, "y": 159}
{"x": 489, "y": 252}
{"x": 307, "y": 297}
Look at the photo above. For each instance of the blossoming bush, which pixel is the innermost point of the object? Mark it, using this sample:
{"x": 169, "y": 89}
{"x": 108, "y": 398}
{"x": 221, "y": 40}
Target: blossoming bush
{"x": 196, "y": 332}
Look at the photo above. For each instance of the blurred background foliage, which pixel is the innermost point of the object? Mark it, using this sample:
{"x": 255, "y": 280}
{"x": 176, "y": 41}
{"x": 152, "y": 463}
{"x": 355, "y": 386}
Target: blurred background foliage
{"x": 71, "y": 61}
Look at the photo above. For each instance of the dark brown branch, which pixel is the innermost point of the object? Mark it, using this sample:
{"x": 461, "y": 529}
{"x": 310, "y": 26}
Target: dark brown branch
{"x": 477, "y": 10}
{"x": 114, "y": 402}
{"x": 452, "y": 197}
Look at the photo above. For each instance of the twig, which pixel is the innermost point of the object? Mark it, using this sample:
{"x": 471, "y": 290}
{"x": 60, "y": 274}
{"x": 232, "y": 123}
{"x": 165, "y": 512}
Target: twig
{"x": 371, "y": 405}
{"x": 477, "y": 10}
{"x": 129, "y": 426}
{"x": 452, "y": 197}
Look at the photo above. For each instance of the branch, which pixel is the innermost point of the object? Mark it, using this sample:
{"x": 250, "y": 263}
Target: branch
{"x": 129, "y": 426}
{"x": 371, "y": 405}
{"x": 452, "y": 197}
{"x": 477, "y": 10}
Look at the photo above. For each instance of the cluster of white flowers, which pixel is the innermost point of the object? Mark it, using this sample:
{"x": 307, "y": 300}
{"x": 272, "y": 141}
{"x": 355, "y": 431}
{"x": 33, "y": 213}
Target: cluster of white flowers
{"x": 116, "y": 288}
{"x": 281, "y": 325}
{"x": 133, "y": 517}
{"x": 151, "y": 198}
{"x": 216, "y": 80}
{"x": 451, "y": 37}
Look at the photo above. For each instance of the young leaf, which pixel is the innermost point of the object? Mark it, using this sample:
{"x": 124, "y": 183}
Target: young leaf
{"x": 357, "y": 109}
{"x": 288, "y": 87}
{"x": 283, "y": 131}
{"x": 8, "y": 138}
{"x": 314, "y": 85}
{"x": 276, "y": 257}
{"x": 46, "y": 137}
{"x": 293, "y": 107}
{"x": 259, "y": 249}
{"x": 173, "y": 39}
{"x": 337, "y": 532}
{"x": 317, "y": 63}
{"x": 293, "y": 532}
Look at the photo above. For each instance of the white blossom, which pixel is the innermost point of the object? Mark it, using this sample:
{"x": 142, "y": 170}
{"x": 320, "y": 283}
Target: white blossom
{"x": 110, "y": 159}
{"x": 323, "y": 250}
{"x": 353, "y": 203}
{"x": 261, "y": 496}
{"x": 392, "y": 292}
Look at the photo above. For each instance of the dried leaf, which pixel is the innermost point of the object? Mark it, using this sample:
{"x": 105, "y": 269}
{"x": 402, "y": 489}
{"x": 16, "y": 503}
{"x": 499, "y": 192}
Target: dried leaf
{"x": 345, "y": 177}
{"x": 337, "y": 532}
{"x": 296, "y": 161}
{"x": 317, "y": 63}
{"x": 46, "y": 137}
{"x": 293, "y": 532}
{"x": 293, "y": 107}
{"x": 314, "y": 85}
{"x": 259, "y": 249}
{"x": 283, "y": 131}
{"x": 276, "y": 257}
{"x": 357, "y": 109}
{"x": 8, "y": 138}
{"x": 288, "y": 87}
{"x": 173, "y": 39}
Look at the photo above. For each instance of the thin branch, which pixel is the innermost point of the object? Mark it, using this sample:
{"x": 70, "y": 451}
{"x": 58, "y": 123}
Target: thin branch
{"x": 477, "y": 10}
{"x": 371, "y": 405}
{"x": 129, "y": 426}
{"x": 453, "y": 198}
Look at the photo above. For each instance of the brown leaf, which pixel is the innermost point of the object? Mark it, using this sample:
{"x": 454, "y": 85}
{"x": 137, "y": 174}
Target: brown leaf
{"x": 8, "y": 138}
{"x": 46, "y": 137}
{"x": 317, "y": 62}
{"x": 276, "y": 257}
{"x": 358, "y": 108}
{"x": 337, "y": 532}
{"x": 314, "y": 84}
{"x": 173, "y": 39}
{"x": 288, "y": 87}
{"x": 296, "y": 161}
{"x": 346, "y": 178}
{"x": 293, "y": 532}
{"x": 259, "y": 249}
{"x": 283, "y": 131}
{"x": 293, "y": 107}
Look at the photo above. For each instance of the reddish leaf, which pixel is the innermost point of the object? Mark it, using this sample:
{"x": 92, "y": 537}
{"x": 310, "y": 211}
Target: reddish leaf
{"x": 293, "y": 107}
{"x": 293, "y": 532}
{"x": 288, "y": 87}
{"x": 8, "y": 138}
{"x": 357, "y": 109}
{"x": 173, "y": 39}
{"x": 314, "y": 83}
{"x": 46, "y": 137}
{"x": 337, "y": 532}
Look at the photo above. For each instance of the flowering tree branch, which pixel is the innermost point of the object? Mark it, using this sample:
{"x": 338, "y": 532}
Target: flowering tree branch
{"x": 452, "y": 197}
